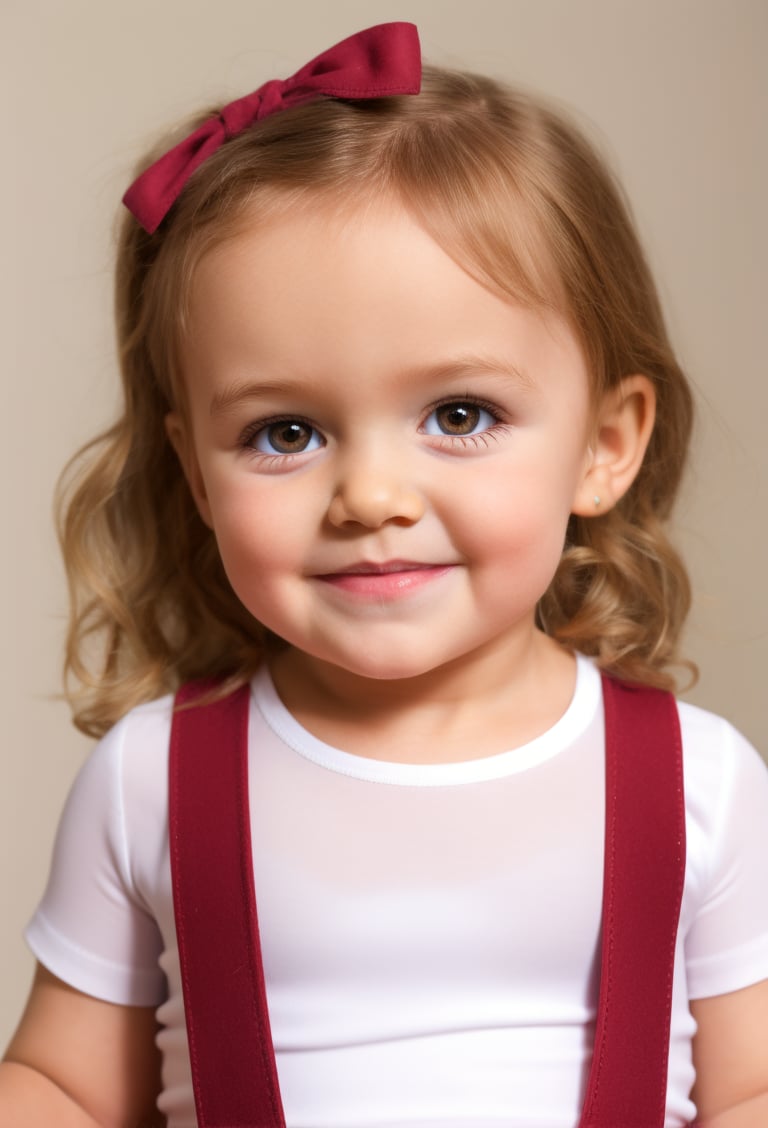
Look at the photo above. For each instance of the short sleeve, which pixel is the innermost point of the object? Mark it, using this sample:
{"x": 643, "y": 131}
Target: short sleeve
{"x": 726, "y": 943}
{"x": 92, "y": 929}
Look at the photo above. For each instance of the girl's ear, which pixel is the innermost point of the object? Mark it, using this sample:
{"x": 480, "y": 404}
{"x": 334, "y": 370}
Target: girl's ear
{"x": 180, "y": 437}
{"x": 622, "y": 431}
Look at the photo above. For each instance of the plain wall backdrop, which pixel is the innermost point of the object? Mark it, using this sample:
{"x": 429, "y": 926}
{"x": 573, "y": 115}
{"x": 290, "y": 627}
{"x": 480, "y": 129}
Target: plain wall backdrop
{"x": 674, "y": 91}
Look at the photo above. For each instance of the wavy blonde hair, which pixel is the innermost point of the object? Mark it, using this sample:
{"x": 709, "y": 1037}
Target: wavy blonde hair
{"x": 515, "y": 194}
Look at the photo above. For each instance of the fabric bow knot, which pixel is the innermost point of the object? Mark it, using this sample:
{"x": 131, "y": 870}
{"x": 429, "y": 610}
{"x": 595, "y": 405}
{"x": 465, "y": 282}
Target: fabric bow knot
{"x": 380, "y": 61}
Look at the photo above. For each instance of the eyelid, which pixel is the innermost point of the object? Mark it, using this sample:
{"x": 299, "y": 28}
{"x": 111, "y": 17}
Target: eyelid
{"x": 257, "y": 425}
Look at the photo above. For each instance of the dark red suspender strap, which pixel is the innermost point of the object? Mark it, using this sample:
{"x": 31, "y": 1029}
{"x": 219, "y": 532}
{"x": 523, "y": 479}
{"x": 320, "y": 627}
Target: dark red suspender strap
{"x": 230, "y": 1044}
{"x": 643, "y": 886}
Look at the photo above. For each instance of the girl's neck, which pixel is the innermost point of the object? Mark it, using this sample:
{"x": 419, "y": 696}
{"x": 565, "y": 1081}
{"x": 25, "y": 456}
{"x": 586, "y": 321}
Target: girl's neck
{"x": 462, "y": 711}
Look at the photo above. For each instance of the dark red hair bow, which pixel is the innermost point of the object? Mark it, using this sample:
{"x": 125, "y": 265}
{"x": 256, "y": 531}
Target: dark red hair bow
{"x": 373, "y": 63}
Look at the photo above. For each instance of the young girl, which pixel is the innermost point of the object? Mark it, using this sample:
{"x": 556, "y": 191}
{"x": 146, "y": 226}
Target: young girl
{"x": 402, "y": 427}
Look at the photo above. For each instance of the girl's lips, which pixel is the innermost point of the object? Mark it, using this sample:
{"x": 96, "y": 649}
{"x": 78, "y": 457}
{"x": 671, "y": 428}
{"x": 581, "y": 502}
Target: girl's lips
{"x": 385, "y": 581}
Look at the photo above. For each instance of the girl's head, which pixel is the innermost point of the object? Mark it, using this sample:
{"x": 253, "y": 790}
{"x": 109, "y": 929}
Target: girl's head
{"x": 511, "y": 194}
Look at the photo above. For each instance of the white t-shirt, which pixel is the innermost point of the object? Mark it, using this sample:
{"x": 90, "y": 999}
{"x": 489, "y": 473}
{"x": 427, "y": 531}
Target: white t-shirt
{"x": 429, "y": 933}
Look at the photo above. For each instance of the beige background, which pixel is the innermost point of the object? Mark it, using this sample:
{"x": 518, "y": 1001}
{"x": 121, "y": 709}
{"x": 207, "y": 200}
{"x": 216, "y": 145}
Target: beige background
{"x": 676, "y": 91}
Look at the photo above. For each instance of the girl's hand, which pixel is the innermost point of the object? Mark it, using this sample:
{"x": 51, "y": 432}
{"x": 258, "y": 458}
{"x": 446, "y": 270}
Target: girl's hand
{"x": 730, "y": 1053}
{"x": 78, "y": 1062}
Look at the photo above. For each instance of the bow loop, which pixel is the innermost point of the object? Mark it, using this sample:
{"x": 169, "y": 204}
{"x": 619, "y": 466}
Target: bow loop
{"x": 375, "y": 63}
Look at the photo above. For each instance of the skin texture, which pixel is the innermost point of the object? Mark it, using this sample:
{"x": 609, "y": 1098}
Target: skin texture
{"x": 731, "y": 1057}
{"x": 355, "y": 399}
{"x": 317, "y": 443}
{"x": 76, "y": 1062}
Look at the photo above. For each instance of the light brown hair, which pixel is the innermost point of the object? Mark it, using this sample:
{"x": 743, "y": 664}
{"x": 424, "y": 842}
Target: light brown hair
{"x": 515, "y": 194}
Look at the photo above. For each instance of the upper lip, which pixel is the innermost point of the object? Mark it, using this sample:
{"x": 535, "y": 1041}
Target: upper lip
{"x": 374, "y": 568}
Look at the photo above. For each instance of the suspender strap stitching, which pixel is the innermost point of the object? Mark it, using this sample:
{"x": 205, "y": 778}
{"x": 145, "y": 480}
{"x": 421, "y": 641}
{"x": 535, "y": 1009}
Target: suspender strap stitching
{"x": 231, "y": 1055}
{"x": 644, "y": 876}
{"x": 176, "y": 846}
{"x": 258, "y": 999}
{"x": 679, "y": 792}
{"x": 608, "y": 953}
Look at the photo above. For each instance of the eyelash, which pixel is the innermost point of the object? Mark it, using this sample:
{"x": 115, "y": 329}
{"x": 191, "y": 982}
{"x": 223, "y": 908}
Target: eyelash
{"x": 482, "y": 438}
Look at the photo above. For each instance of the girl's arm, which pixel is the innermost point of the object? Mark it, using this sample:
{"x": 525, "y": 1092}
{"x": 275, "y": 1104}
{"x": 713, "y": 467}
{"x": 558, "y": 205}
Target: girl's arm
{"x": 78, "y": 1062}
{"x": 730, "y": 1053}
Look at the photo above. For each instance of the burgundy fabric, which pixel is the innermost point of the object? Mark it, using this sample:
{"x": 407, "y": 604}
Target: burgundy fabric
{"x": 374, "y": 63}
{"x": 642, "y": 890}
{"x": 233, "y": 1063}
{"x": 230, "y": 1043}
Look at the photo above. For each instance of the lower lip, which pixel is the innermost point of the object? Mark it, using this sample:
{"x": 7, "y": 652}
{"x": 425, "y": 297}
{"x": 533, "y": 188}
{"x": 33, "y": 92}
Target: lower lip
{"x": 385, "y": 585}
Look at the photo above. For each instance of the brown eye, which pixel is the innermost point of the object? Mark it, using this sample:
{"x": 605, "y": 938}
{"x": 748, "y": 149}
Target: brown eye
{"x": 286, "y": 436}
{"x": 458, "y": 418}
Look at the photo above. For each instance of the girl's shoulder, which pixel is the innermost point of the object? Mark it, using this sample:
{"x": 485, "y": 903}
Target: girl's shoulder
{"x": 135, "y": 749}
{"x": 120, "y": 792}
{"x": 724, "y": 916}
{"x": 107, "y": 901}
{"x": 725, "y": 781}
{"x": 716, "y": 755}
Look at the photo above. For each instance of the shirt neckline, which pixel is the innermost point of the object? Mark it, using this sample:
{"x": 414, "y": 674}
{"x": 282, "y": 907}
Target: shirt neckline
{"x": 577, "y": 717}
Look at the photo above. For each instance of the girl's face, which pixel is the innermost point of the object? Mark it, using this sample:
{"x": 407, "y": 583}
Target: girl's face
{"x": 387, "y": 452}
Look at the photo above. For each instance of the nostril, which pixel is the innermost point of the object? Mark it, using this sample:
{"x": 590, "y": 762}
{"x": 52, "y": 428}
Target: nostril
{"x": 372, "y": 504}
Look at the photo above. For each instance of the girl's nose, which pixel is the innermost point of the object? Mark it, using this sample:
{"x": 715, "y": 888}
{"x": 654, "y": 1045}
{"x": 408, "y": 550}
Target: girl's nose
{"x": 371, "y": 492}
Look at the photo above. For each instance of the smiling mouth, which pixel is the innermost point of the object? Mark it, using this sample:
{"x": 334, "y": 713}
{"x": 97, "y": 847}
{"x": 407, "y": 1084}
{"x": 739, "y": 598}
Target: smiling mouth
{"x": 369, "y": 568}
{"x": 386, "y": 580}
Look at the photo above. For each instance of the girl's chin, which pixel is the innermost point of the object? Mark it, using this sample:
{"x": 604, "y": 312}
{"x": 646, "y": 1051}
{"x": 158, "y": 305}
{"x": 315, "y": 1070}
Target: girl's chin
{"x": 321, "y": 665}
{"x": 394, "y": 664}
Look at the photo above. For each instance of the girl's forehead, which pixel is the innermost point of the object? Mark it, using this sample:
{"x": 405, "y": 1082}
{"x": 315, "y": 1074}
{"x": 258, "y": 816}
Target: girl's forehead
{"x": 520, "y": 263}
{"x": 317, "y": 243}
{"x": 367, "y": 296}
{"x": 287, "y": 225}
{"x": 328, "y": 264}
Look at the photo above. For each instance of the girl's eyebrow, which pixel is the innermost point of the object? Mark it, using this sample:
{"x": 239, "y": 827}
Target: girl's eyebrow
{"x": 241, "y": 390}
{"x": 462, "y": 367}
{"x": 471, "y": 364}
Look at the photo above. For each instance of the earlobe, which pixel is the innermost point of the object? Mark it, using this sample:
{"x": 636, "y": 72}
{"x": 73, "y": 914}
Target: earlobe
{"x": 622, "y": 432}
{"x": 180, "y": 438}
